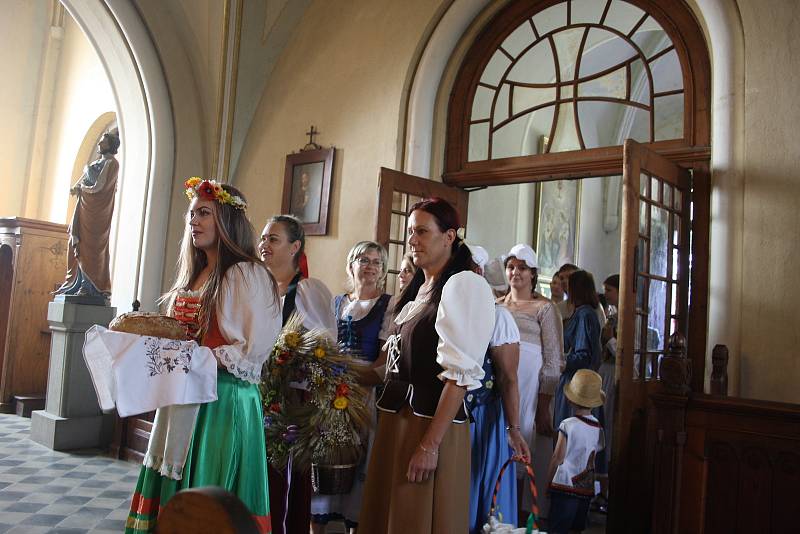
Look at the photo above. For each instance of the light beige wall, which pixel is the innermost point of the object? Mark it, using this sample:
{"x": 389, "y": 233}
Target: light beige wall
{"x": 82, "y": 94}
{"x": 199, "y": 27}
{"x": 343, "y": 70}
{"x": 23, "y": 31}
{"x": 770, "y": 366}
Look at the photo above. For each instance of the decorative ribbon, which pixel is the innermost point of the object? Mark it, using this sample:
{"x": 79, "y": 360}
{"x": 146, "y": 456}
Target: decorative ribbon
{"x": 392, "y": 348}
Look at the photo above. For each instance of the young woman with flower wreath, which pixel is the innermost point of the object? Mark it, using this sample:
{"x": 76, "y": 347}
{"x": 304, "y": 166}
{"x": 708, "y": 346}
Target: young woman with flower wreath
{"x": 228, "y": 302}
{"x": 418, "y": 478}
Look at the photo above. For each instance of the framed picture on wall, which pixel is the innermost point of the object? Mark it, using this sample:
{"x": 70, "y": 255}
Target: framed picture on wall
{"x": 307, "y": 188}
{"x": 557, "y": 225}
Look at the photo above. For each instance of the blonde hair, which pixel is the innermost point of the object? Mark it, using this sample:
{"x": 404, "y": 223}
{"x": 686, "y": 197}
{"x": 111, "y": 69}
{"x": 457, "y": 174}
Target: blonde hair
{"x": 236, "y": 243}
{"x": 360, "y": 248}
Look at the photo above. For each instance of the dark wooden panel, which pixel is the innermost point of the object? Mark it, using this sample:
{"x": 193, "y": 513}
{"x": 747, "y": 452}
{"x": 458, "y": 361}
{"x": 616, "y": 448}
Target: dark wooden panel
{"x": 723, "y": 484}
{"x": 740, "y": 468}
{"x": 34, "y": 258}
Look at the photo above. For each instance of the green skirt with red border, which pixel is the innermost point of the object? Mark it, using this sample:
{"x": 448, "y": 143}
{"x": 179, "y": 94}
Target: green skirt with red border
{"x": 227, "y": 451}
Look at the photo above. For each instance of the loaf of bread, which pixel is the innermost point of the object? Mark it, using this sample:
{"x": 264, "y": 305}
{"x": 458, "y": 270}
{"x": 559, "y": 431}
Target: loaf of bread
{"x": 148, "y": 324}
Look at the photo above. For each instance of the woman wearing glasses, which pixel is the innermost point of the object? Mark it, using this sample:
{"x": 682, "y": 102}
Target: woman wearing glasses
{"x": 362, "y": 323}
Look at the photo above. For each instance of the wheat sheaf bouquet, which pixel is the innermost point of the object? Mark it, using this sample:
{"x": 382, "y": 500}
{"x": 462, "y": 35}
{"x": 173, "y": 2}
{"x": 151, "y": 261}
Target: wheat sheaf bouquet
{"x": 327, "y": 422}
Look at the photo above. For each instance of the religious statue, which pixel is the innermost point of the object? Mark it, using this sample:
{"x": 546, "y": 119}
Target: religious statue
{"x": 88, "y": 258}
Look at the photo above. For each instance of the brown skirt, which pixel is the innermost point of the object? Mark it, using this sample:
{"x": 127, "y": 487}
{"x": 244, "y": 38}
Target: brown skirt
{"x": 392, "y": 504}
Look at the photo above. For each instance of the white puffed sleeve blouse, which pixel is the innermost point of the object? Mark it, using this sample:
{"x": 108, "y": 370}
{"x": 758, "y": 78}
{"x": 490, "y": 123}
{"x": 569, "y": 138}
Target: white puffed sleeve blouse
{"x": 505, "y": 331}
{"x": 465, "y": 321}
{"x": 313, "y": 302}
{"x": 248, "y": 317}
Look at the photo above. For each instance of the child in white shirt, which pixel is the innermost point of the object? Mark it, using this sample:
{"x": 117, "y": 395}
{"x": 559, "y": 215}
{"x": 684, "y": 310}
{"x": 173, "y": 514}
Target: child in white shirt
{"x": 571, "y": 472}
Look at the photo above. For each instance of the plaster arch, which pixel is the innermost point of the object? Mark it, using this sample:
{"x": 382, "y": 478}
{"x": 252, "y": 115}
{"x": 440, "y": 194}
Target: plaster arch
{"x": 123, "y": 44}
{"x": 424, "y": 127}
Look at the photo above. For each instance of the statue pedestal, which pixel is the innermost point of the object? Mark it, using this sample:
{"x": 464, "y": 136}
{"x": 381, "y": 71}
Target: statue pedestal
{"x": 72, "y": 418}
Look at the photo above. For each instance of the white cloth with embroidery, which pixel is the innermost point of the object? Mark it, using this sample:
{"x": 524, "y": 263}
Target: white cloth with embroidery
{"x": 139, "y": 374}
{"x": 248, "y": 317}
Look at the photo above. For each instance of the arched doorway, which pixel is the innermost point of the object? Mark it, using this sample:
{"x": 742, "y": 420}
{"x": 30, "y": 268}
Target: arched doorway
{"x": 550, "y": 91}
{"x": 689, "y": 143}
{"x": 128, "y": 55}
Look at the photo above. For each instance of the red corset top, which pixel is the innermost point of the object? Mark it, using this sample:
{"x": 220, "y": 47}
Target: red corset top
{"x": 187, "y": 310}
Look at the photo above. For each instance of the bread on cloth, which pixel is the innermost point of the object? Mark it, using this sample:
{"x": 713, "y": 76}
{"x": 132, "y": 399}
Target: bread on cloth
{"x": 148, "y": 324}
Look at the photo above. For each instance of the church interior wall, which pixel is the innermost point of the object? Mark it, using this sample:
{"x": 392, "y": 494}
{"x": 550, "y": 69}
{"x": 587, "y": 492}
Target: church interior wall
{"x": 770, "y": 335}
{"x": 82, "y": 94}
{"x": 343, "y": 70}
{"x": 189, "y": 87}
{"x": 23, "y": 28}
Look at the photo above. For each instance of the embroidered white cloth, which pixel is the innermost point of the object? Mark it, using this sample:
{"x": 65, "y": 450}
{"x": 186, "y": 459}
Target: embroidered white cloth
{"x": 139, "y": 374}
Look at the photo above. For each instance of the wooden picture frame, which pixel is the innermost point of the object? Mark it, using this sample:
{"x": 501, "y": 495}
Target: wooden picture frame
{"x": 307, "y": 188}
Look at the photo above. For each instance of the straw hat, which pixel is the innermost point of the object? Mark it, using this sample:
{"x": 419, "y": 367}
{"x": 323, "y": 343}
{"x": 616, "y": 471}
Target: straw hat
{"x": 586, "y": 389}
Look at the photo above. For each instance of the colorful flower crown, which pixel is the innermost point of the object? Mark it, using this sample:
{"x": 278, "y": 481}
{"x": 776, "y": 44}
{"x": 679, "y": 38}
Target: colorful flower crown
{"x": 212, "y": 190}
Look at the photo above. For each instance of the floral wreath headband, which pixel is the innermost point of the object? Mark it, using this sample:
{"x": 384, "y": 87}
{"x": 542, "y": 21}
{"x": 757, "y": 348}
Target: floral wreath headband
{"x": 212, "y": 190}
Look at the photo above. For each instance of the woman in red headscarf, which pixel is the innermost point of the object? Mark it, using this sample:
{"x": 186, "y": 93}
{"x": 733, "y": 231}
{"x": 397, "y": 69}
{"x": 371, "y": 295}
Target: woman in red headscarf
{"x": 282, "y": 248}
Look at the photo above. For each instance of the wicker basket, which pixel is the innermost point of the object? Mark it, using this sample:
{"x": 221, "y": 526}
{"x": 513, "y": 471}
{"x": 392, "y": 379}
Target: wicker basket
{"x": 333, "y": 479}
{"x": 493, "y": 524}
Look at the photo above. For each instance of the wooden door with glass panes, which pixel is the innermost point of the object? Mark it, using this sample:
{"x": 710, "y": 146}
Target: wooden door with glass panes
{"x": 397, "y": 192}
{"x": 654, "y": 296}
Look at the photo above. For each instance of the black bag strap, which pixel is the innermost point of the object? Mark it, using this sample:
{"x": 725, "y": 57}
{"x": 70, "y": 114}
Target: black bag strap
{"x": 289, "y": 304}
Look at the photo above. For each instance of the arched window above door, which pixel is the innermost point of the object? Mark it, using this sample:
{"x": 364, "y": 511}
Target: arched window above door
{"x": 579, "y": 75}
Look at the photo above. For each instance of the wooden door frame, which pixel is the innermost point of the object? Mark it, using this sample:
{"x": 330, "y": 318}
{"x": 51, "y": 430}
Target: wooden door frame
{"x": 634, "y": 439}
{"x": 390, "y": 180}
{"x": 678, "y": 21}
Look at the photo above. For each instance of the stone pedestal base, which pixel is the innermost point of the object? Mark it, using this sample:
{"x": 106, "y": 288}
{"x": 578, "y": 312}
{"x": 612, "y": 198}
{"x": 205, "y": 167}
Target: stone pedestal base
{"x": 67, "y": 433}
{"x": 72, "y": 418}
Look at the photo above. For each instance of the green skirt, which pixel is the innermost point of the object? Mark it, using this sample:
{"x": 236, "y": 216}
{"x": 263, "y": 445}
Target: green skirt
{"x": 227, "y": 451}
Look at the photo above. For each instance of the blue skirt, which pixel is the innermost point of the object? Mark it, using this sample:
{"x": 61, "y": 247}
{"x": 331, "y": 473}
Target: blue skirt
{"x": 490, "y": 451}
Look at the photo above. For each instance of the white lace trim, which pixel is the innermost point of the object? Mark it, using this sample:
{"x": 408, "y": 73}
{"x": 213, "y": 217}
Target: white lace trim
{"x": 392, "y": 348}
{"x": 238, "y": 367}
{"x": 156, "y": 463}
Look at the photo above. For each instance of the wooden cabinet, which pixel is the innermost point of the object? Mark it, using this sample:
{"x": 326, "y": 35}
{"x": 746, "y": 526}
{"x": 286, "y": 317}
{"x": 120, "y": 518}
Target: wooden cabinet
{"x": 33, "y": 263}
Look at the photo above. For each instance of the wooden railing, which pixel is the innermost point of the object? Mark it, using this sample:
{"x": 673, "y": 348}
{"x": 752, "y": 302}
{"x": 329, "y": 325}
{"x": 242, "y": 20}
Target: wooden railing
{"x": 724, "y": 464}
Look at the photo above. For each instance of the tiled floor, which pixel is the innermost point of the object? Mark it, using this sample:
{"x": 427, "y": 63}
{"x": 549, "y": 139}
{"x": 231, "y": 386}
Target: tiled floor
{"x": 61, "y": 492}
{"x": 67, "y": 492}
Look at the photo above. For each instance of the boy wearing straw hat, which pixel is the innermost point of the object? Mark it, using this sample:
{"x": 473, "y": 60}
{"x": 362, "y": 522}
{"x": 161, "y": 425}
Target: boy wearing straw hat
{"x": 571, "y": 472}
